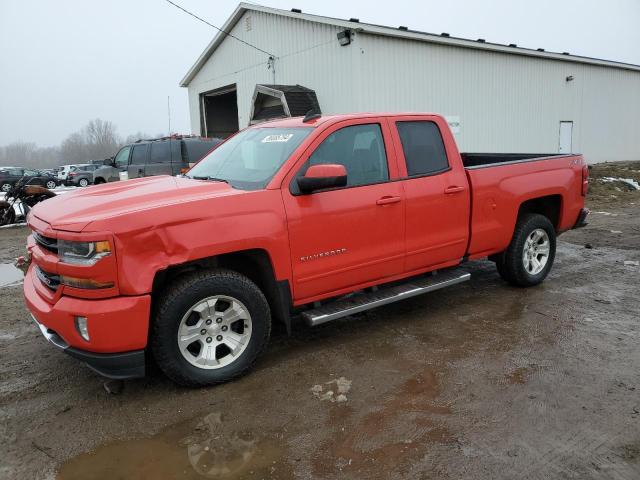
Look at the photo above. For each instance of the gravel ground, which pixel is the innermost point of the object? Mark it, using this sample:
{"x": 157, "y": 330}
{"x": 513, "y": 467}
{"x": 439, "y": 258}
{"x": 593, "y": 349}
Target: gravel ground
{"x": 478, "y": 381}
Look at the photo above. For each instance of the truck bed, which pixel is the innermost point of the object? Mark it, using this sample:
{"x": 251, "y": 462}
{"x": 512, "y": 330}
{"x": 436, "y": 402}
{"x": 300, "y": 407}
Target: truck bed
{"x": 477, "y": 160}
{"x": 502, "y": 182}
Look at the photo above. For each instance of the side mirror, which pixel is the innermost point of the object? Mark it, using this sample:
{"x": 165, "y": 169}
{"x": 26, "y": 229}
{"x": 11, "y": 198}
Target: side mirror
{"x": 108, "y": 161}
{"x": 319, "y": 177}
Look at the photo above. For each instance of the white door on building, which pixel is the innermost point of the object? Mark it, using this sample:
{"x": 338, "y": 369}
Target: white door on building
{"x": 566, "y": 133}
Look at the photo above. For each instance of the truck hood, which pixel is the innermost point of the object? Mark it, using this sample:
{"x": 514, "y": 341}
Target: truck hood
{"x": 74, "y": 211}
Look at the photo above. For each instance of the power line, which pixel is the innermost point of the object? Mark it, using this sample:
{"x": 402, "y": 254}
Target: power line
{"x": 219, "y": 29}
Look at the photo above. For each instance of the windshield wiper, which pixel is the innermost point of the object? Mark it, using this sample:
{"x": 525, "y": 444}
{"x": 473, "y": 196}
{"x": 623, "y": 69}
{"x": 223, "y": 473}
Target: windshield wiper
{"x": 213, "y": 179}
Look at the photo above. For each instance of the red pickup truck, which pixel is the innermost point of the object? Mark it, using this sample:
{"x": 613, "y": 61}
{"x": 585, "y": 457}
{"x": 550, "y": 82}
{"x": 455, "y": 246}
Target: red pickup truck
{"x": 317, "y": 218}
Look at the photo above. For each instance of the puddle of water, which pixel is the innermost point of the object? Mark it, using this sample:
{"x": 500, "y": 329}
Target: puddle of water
{"x": 211, "y": 450}
{"x": 9, "y": 274}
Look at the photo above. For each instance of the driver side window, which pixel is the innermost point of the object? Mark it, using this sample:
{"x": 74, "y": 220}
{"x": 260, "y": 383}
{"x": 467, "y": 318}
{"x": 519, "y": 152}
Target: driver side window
{"x": 122, "y": 158}
{"x": 360, "y": 148}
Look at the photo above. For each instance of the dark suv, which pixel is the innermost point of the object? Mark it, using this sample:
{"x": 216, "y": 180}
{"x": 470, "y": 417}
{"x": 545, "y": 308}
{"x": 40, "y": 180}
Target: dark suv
{"x": 10, "y": 175}
{"x": 162, "y": 156}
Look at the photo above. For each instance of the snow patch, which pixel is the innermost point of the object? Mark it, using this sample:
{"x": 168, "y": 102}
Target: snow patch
{"x": 629, "y": 181}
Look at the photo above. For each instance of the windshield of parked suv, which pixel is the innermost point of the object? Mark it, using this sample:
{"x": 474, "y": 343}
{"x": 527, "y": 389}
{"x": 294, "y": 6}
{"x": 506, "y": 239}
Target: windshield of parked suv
{"x": 250, "y": 159}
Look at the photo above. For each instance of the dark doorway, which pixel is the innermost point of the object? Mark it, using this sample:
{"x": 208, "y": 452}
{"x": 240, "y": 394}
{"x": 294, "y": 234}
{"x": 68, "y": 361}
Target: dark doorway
{"x": 219, "y": 112}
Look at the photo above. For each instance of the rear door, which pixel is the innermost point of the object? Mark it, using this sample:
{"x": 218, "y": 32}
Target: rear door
{"x": 138, "y": 160}
{"x": 159, "y": 162}
{"x": 436, "y": 193}
{"x": 348, "y": 236}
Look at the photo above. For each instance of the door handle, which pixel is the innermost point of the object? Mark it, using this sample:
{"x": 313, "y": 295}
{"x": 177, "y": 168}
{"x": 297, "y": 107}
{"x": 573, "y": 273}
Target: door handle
{"x": 387, "y": 200}
{"x": 453, "y": 189}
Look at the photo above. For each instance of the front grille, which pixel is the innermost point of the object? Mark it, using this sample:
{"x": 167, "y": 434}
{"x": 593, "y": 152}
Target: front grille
{"x": 50, "y": 280}
{"x": 48, "y": 243}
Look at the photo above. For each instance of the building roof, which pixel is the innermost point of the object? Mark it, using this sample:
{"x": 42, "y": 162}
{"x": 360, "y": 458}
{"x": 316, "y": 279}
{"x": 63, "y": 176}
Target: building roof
{"x": 399, "y": 32}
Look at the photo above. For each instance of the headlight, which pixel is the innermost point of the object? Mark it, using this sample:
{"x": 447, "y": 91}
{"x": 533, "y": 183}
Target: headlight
{"x": 82, "y": 253}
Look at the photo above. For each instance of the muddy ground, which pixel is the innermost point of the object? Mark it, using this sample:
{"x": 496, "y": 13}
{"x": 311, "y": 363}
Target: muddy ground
{"x": 478, "y": 381}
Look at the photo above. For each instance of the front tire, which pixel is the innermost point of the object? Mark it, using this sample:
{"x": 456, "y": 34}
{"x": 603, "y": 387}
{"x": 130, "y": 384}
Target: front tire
{"x": 210, "y": 327}
{"x": 83, "y": 182}
{"x": 50, "y": 184}
{"x": 5, "y": 187}
{"x": 529, "y": 257}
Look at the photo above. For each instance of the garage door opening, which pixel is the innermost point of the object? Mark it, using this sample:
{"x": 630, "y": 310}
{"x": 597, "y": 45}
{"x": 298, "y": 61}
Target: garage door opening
{"x": 219, "y": 112}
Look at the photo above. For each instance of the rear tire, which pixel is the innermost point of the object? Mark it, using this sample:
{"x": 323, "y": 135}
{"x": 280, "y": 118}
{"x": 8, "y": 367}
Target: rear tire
{"x": 529, "y": 257}
{"x": 5, "y": 187}
{"x": 50, "y": 184}
{"x": 210, "y": 327}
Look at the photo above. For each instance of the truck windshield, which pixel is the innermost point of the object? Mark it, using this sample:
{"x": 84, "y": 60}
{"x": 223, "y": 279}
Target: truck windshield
{"x": 250, "y": 159}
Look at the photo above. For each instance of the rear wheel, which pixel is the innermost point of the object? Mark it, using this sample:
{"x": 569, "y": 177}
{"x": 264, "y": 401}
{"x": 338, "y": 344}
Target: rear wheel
{"x": 50, "y": 184}
{"x": 5, "y": 187}
{"x": 530, "y": 255}
{"x": 210, "y": 326}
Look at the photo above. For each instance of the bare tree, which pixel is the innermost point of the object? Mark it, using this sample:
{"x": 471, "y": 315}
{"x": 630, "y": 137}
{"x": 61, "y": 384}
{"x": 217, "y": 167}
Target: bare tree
{"x": 95, "y": 141}
{"x": 101, "y": 138}
{"x": 74, "y": 148}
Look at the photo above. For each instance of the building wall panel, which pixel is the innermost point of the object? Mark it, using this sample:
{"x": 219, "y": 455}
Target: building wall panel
{"x": 506, "y": 103}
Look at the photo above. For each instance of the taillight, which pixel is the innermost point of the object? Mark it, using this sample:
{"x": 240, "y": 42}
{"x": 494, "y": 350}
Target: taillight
{"x": 585, "y": 180}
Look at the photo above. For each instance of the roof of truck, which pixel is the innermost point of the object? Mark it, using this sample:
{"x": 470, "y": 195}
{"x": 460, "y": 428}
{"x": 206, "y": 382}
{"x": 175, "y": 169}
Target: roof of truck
{"x": 292, "y": 122}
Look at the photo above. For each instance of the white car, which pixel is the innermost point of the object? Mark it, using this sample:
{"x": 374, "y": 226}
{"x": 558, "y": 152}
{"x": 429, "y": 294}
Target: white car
{"x": 64, "y": 171}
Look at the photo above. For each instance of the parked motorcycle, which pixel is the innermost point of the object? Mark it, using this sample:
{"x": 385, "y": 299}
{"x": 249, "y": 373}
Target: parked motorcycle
{"x": 24, "y": 197}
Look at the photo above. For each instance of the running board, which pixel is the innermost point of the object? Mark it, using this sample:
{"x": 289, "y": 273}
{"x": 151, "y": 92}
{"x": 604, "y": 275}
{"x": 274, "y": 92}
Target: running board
{"x": 360, "y": 302}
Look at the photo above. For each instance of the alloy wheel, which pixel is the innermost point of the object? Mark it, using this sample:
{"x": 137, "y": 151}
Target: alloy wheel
{"x": 214, "y": 332}
{"x": 535, "y": 253}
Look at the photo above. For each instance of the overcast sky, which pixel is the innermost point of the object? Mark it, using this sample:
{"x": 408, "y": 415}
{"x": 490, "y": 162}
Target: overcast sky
{"x": 65, "y": 62}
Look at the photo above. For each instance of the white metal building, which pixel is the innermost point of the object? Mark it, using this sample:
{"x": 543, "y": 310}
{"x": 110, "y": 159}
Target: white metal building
{"x": 502, "y": 98}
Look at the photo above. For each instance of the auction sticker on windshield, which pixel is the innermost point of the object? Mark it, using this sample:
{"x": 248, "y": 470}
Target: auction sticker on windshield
{"x": 277, "y": 138}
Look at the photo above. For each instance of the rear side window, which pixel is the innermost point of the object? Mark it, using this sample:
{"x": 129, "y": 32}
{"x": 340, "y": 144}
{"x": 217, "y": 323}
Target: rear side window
{"x": 360, "y": 148}
{"x": 139, "y": 155}
{"x": 160, "y": 152}
{"x": 196, "y": 149}
{"x": 423, "y": 148}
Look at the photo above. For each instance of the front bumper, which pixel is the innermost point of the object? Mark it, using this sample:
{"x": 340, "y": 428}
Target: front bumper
{"x": 119, "y": 366}
{"x": 582, "y": 218}
{"x": 118, "y": 328}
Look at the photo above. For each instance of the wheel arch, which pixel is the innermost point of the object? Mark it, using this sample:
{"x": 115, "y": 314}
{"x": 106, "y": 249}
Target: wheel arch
{"x": 549, "y": 205}
{"x": 255, "y": 264}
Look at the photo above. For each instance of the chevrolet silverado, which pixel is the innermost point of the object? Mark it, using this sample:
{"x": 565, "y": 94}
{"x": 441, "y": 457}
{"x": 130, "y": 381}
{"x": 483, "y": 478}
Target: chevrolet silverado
{"x": 315, "y": 218}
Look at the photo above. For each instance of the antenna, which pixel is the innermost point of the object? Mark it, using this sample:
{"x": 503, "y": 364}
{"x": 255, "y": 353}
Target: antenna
{"x": 169, "y": 113}
{"x": 169, "y": 133}
{"x": 311, "y": 115}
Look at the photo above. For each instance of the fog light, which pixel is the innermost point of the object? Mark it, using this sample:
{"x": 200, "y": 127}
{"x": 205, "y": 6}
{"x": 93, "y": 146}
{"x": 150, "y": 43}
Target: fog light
{"x": 81, "y": 327}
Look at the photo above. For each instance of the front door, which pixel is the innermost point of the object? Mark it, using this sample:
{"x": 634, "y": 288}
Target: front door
{"x": 566, "y": 138}
{"x": 436, "y": 195}
{"x": 349, "y": 236}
